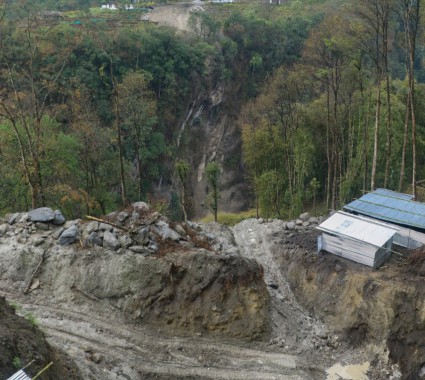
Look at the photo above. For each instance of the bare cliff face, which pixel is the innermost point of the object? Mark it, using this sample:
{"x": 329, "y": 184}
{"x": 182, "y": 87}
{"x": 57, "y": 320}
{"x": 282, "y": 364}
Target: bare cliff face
{"x": 209, "y": 132}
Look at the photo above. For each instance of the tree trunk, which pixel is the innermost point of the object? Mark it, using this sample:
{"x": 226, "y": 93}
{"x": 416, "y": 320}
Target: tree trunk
{"x": 375, "y": 140}
{"x": 403, "y": 153}
{"x": 328, "y": 150}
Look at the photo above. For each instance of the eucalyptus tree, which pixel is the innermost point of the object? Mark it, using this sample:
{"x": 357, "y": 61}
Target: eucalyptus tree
{"x": 372, "y": 35}
{"x": 410, "y": 12}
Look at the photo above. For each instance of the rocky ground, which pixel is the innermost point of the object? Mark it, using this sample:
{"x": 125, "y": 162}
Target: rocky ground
{"x": 138, "y": 297}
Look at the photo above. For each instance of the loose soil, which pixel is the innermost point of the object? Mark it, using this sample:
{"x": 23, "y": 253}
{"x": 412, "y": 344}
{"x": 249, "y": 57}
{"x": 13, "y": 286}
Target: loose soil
{"x": 325, "y": 312}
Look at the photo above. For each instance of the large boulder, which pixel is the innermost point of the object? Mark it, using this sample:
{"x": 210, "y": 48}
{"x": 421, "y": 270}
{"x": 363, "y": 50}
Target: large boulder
{"x": 42, "y": 214}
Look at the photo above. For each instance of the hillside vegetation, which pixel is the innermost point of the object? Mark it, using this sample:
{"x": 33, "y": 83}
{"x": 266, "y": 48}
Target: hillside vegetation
{"x": 94, "y": 105}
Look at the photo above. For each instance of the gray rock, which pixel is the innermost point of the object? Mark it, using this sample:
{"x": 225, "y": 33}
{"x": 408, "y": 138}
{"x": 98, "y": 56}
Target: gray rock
{"x": 22, "y": 217}
{"x": 260, "y": 220}
{"x": 306, "y": 224}
{"x": 38, "y": 241}
{"x": 180, "y": 230}
{"x": 142, "y": 236}
{"x": 71, "y": 223}
{"x": 110, "y": 241}
{"x": 284, "y": 226}
{"x": 305, "y": 216}
{"x": 164, "y": 230}
{"x": 142, "y": 206}
{"x": 122, "y": 216}
{"x": 41, "y": 226}
{"x": 135, "y": 216}
{"x": 92, "y": 240}
{"x": 153, "y": 247}
{"x": 12, "y": 219}
{"x": 58, "y": 219}
{"x": 194, "y": 226}
{"x": 91, "y": 227}
{"x": 42, "y": 214}
{"x": 125, "y": 241}
{"x": 299, "y": 222}
{"x": 58, "y": 232}
{"x": 139, "y": 249}
{"x": 97, "y": 358}
{"x": 69, "y": 236}
{"x": 290, "y": 225}
{"x": 105, "y": 227}
{"x": 313, "y": 220}
{"x": 3, "y": 229}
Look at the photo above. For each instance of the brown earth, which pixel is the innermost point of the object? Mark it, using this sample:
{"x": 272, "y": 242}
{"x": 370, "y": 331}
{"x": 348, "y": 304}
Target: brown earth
{"x": 22, "y": 342}
{"x": 384, "y": 308}
{"x": 204, "y": 313}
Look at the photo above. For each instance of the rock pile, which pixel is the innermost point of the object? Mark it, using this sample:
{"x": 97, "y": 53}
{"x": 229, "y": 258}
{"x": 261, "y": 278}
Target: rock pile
{"x": 138, "y": 229}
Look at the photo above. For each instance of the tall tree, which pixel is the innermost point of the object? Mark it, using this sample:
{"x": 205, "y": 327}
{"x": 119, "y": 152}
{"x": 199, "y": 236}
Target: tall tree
{"x": 372, "y": 35}
{"x": 411, "y": 17}
{"x": 138, "y": 113}
{"x": 212, "y": 172}
{"x": 31, "y": 65}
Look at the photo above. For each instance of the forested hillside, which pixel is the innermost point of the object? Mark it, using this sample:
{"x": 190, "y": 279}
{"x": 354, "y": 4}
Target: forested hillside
{"x": 97, "y": 108}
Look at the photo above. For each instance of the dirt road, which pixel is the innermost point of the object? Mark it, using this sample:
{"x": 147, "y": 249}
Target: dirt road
{"x": 105, "y": 346}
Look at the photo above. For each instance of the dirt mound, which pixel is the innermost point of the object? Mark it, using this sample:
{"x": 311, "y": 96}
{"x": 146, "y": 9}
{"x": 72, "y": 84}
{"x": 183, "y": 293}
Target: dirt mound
{"x": 153, "y": 271}
{"x": 416, "y": 262}
{"x": 22, "y": 342}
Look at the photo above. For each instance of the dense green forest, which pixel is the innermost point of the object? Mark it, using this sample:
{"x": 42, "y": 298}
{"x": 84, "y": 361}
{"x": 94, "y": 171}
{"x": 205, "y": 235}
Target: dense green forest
{"x": 327, "y": 95}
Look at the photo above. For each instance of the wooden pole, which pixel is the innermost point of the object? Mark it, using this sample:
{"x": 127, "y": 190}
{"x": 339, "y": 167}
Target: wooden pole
{"x": 43, "y": 370}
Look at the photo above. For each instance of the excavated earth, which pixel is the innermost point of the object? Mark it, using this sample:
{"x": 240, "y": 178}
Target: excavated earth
{"x": 138, "y": 297}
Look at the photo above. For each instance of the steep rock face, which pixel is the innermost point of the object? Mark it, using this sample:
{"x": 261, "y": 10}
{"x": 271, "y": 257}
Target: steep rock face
{"x": 208, "y": 133}
{"x": 22, "y": 342}
{"x": 385, "y": 308}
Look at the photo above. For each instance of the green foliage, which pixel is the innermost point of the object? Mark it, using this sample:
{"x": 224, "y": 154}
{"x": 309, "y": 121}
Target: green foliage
{"x": 230, "y": 219}
{"x": 32, "y": 319}
{"x": 182, "y": 169}
{"x": 213, "y": 172}
{"x": 269, "y": 192}
{"x": 16, "y": 362}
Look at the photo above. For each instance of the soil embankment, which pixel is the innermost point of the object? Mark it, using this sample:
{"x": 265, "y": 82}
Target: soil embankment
{"x": 144, "y": 298}
{"x": 381, "y": 310}
{"x": 22, "y": 342}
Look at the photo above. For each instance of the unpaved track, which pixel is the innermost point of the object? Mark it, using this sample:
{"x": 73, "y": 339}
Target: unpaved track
{"x": 292, "y": 325}
{"x": 105, "y": 346}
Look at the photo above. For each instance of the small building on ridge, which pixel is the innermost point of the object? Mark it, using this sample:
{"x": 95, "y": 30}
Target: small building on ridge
{"x": 395, "y": 210}
{"x": 351, "y": 237}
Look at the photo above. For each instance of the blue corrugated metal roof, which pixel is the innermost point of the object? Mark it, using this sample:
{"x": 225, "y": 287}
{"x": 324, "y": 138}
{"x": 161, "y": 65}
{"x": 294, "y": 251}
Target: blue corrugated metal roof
{"x": 394, "y": 194}
{"x": 392, "y": 208}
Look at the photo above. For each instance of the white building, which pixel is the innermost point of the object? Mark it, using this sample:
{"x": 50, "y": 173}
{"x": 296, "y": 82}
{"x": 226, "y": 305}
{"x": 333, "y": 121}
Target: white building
{"x": 357, "y": 239}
